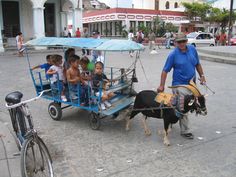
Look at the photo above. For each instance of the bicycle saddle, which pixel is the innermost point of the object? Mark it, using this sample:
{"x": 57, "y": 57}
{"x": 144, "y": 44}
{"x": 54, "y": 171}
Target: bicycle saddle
{"x": 14, "y": 97}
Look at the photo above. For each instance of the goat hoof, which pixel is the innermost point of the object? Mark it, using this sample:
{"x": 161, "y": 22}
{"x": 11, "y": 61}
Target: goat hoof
{"x": 159, "y": 132}
{"x": 167, "y": 143}
{"x": 127, "y": 128}
{"x": 148, "y": 133}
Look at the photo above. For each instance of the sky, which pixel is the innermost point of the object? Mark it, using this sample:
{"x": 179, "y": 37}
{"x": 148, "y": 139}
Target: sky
{"x": 224, "y": 4}
{"x": 121, "y": 3}
{"x": 128, "y": 3}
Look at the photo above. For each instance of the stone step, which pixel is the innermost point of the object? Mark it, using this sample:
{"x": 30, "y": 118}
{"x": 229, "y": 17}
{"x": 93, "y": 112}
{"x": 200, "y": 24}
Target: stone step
{"x": 217, "y": 58}
{"x": 223, "y": 51}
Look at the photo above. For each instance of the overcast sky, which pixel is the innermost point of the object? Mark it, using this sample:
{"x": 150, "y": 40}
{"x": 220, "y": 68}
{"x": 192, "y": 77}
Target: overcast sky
{"x": 224, "y": 4}
{"x": 121, "y": 3}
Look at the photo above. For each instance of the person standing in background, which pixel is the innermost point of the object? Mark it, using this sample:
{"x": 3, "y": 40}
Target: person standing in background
{"x": 19, "y": 44}
{"x": 131, "y": 38}
{"x": 78, "y": 33}
{"x": 168, "y": 37}
{"x": 223, "y": 38}
{"x": 151, "y": 38}
{"x": 85, "y": 35}
{"x": 65, "y": 32}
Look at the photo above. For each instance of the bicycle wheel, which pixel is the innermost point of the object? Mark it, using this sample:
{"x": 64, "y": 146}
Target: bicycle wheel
{"x": 35, "y": 158}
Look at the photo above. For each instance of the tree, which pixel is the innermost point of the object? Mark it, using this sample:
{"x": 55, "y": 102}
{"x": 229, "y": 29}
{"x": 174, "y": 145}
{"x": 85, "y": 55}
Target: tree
{"x": 121, "y": 28}
{"x": 220, "y": 16}
{"x": 160, "y": 27}
{"x": 194, "y": 10}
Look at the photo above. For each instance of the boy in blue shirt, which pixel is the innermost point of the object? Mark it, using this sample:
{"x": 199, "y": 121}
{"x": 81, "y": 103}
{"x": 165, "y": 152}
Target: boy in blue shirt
{"x": 45, "y": 66}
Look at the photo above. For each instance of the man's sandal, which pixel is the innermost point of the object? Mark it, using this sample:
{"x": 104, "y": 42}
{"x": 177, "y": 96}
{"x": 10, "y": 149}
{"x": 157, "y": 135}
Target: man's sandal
{"x": 188, "y": 135}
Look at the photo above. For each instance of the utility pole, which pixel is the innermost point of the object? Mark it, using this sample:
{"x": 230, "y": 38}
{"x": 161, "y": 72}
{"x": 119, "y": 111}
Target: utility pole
{"x": 230, "y": 21}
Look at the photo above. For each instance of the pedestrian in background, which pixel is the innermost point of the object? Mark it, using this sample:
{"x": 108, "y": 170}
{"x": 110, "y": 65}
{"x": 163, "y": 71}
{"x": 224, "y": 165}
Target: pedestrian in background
{"x": 167, "y": 35}
{"x": 85, "y": 35}
{"x": 78, "y": 33}
{"x": 152, "y": 39}
{"x": 65, "y": 32}
{"x": 19, "y": 44}
{"x": 131, "y": 38}
{"x": 223, "y": 38}
{"x": 217, "y": 38}
{"x": 140, "y": 36}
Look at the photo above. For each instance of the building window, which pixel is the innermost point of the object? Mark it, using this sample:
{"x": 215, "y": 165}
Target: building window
{"x": 149, "y": 25}
{"x": 176, "y": 5}
{"x": 111, "y": 29}
{"x": 156, "y": 4}
{"x": 140, "y": 24}
{"x": 132, "y": 25}
{"x": 167, "y": 5}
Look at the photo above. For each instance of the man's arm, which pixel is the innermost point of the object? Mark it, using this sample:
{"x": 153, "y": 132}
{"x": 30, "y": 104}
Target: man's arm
{"x": 201, "y": 74}
{"x": 161, "y": 88}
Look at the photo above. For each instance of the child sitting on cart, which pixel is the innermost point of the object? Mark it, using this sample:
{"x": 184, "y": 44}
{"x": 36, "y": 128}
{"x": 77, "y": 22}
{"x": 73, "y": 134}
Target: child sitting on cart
{"x": 77, "y": 86}
{"x": 57, "y": 75}
{"x": 100, "y": 78}
{"x": 45, "y": 66}
{"x": 85, "y": 73}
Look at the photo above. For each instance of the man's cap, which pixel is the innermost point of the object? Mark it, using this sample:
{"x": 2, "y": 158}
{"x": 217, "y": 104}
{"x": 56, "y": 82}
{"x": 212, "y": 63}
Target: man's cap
{"x": 180, "y": 37}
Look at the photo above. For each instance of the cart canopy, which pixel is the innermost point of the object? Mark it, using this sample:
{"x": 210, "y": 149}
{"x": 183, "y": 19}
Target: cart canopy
{"x": 87, "y": 43}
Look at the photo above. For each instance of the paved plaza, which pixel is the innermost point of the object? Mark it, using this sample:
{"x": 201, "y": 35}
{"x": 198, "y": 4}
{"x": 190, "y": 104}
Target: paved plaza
{"x": 79, "y": 151}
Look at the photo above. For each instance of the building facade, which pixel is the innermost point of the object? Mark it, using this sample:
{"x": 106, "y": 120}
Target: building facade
{"x": 172, "y": 5}
{"x": 37, "y": 18}
{"x": 110, "y": 21}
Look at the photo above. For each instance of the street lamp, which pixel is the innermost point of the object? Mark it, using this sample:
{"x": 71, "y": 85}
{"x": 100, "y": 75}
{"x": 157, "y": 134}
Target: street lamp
{"x": 230, "y": 20}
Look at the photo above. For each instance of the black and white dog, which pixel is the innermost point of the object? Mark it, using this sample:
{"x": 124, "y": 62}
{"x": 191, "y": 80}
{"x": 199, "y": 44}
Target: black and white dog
{"x": 146, "y": 99}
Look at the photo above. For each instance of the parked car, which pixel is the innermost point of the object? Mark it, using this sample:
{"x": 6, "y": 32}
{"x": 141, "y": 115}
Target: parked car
{"x": 200, "y": 39}
{"x": 233, "y": 40}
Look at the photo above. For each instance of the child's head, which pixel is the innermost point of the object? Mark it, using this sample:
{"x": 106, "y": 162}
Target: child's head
{"x": 56, "y": 60}
{"x": 69, "y": 52}
{"x": 84, "y": 62}
{"x": 99, "y": 68}
{"x": 48, "y": 58}
{"x": 74, "y": 61}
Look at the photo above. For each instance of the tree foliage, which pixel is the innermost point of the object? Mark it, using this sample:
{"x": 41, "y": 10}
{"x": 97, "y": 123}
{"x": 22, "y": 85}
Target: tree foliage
{"x": 208, "y": 13}
{"x": 194, "y": 10}
{"x": 160, "y": 27}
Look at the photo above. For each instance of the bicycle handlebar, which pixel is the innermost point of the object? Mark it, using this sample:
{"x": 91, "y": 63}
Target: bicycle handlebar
{"x": 27, "y": 101}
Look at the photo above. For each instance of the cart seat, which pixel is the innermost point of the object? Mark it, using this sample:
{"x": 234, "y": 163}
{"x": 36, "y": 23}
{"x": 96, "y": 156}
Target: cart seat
{"x": 119, "y": 86}
{"x": 118, "y": 104}
{"x": 14, "y": 97}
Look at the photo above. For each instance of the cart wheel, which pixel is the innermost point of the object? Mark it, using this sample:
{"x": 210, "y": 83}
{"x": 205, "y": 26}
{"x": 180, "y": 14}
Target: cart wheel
{"x": 95, "y": 121}
{"x": 54, "y": 110}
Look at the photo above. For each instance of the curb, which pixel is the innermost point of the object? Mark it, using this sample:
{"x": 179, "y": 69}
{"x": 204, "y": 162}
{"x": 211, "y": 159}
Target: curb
{"x": 218, "y": 59}
{"x": 10, "y": 163}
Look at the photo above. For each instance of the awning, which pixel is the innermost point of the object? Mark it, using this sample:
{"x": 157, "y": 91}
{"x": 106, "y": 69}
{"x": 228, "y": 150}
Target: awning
{"x": 87, "y": 43}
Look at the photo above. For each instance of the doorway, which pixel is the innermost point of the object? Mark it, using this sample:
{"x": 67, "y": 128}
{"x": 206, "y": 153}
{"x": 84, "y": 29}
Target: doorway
{"x": 11, "y": 18}
{"x": 49, "y": 19}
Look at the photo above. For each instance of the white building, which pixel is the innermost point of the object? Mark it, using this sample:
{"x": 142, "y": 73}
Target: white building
{"x": 37, "y": 18}
{"x": 173, "y": 5}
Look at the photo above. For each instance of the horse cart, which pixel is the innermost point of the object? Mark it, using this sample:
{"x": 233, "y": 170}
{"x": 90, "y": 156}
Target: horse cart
{"x": 123, "y": 87}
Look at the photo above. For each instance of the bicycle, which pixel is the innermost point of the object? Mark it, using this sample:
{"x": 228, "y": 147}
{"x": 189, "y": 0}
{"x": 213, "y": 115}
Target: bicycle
{"x": 35, "y": 157}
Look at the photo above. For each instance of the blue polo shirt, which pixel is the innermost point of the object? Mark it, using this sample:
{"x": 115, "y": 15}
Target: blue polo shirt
{"x": 183, "y": 64}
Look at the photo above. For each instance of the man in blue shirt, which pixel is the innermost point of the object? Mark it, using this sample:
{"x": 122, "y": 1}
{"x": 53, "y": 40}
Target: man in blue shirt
{"x": 184, "y": 60}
